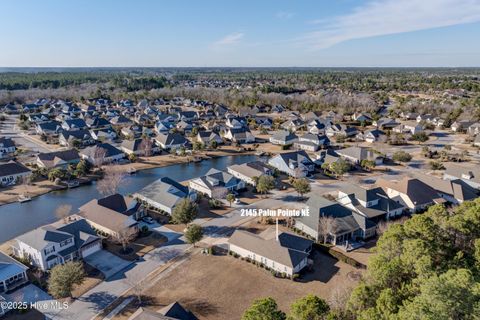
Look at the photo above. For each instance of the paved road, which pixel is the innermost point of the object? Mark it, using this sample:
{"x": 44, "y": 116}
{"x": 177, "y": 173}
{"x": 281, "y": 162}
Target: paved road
{"x": 98, "y": 298}
{"x": 8, "y": 128}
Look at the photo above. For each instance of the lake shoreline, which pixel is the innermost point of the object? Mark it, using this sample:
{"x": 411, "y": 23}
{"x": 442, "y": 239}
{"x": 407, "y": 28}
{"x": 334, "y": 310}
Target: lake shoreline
{"x": 43, "y": 187}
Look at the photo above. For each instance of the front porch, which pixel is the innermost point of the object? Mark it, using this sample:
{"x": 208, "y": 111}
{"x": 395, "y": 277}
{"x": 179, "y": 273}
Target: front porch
{"x": 10, "y": 284}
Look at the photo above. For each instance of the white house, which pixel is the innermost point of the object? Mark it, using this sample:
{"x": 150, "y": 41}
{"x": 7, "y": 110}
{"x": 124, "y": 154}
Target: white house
{"x": 7, "y": 147}
{"x": 296, "y": 164}
{"x": 12, "y": 274}
{"x": 355, "y": 155}
{"x": 47, "y": 246}
{"x": 216, "y": 184}
{"x": 249, "y": 171}
{"x": 285, "y": 253}
{"x": 11, "y": 172}
{"x": 411, "y": 193}
{"x": 171, "y": 141}
{"x": 101, "y": 154}
{"x": 164, "y": 194}
{"x": 283, "y": 138}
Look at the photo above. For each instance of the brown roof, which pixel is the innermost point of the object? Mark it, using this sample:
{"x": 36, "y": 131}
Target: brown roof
{"x": 270, "y": 248}
{"x": 106, "y": 217}
{"x": 416, "y": 190}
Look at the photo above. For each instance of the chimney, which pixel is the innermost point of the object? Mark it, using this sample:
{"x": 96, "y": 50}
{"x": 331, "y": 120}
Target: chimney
{"x": 276, "y": 235}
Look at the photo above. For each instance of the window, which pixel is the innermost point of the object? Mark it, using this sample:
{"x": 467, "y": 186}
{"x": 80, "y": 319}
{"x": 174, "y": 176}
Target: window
{"x": 49, "y": 250}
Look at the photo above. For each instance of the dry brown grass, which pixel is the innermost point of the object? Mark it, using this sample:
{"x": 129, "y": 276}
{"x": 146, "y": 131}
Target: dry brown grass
{"x": 222, "y": 287}
{"x": 141, "y": 246}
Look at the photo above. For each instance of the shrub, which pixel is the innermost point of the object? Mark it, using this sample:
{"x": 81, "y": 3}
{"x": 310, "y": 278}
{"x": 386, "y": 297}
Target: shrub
{"x": 401, "y": 156}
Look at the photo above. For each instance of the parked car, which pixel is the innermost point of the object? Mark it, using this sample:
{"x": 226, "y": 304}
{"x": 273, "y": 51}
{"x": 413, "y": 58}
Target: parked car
{"x": 148, "y": 220}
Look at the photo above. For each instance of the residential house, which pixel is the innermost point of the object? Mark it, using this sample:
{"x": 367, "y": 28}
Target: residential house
{"x": 476, "y": 141}
{"x": 373, "y": 204}
{"x": 174, "y": 311}
{"x": 385, "y": 123}
{"x": 171, "y": 141}
{"x": 249, "y": 172}
{"x": 102, "y": 153}
{"x": 76, "y": 138}
{"x": 355, "y": 155}
{"x": 132, "y": 132}
{"x": 316, "y": 126}
{"x": 48, "y": 246}
{"x": 11, "y": 172}
{"x": 50, "y": 128}
{"x": 409, "y": 115}
{"x": 74, "y": 124}
{"x": 263, "y": 122}
{"x": 242, "y": 135}
{"x": 454, "y": 191}
{"x": 410, "y": 192}
{"x": 470, "y": 174}
{"x": 98, "y": 123}
{"x": 346, "y": 225}
{"x": 312, "y": 142}
{"x": 461, "y": 125}
{"x": 474, "y": 129}
{"x": 371, "y": 136}
{"x": 7, "y": 147}
{"x": 184, "y": 127}
{"x": 164, "y": 126}
{"x": 104, "y": 134}
{"x": 283, "y": 138}
{"x": 362, "y": 117}
{"x": 285, "y": 253}
{"x": 336, "y": 130}
{"x": 30, "y": 108}
{"x": 293, "y": 125}
{"x": 38, "y": 118}
{"x": 58, "y": 159}
{"x": 411, "y": 127}
{"x": 207, "y": 137}
{"x": 216, "y": 184}
{"x": 296, "y": 164}
{"x": 12, "y": 274}
{"x": 140, "y": 147}
{"x": 120, "y": 121}
{"x": 187, "y": 116}
{"x": 164, "y": 194}
{"x": 278, "y": 108}
{"x": 236, "y": 122}
{"x": 425, "y": 118}
{"x": 113, "y": 215}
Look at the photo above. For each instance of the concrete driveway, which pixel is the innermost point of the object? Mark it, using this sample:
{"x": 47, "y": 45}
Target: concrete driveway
{"x": 108, "y": 263}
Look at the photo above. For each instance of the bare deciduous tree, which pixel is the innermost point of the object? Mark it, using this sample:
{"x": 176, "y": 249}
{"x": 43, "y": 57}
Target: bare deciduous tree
{"x": 99, "y": 156}
{"x": 146, "y": 146}
{"x": 326, "y": 225}
{"x": 63, "y": 212}
{"x": 124, "y": 236}
{"x": 339, "y": 297}
{"x": 111, "y": 181}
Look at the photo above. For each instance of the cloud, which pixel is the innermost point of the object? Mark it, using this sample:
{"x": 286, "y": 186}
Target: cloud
{"x": 377, "y": 18}
{"x": 230, "y": 39}
{"x": 284, "y": 15}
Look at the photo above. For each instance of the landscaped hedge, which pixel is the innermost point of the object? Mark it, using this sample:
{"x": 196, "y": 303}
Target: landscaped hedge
{"x": 339, "y": 256}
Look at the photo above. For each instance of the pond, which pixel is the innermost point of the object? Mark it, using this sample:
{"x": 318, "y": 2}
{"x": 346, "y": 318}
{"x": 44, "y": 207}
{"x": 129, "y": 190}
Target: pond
{"x": 18, "y": 218}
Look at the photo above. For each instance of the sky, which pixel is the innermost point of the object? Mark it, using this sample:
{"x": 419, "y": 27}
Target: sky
{"x": 241, "y": 33}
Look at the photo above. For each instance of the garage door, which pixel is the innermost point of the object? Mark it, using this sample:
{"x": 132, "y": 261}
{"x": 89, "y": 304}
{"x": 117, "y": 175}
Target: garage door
{"x": 91, "y": 248}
